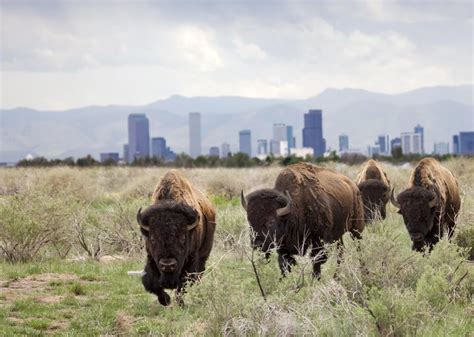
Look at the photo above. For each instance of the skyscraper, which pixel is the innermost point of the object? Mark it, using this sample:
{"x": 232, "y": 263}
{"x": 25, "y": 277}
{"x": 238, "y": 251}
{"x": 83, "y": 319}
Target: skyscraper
{"x": 138, "y": 137}
{"x": 279, "y": 132}
{"x": 466, "y": 143}
{"x": 194, "y": 134}
{"x": 411, "y": 143}
{"x": 313, "y": 132}
{"x": 109, "y": 156}
{"x": 419, "y": 129}
{"x": 343, "y": 142}
{"x": 158, "y": 147}
{"x": 126, "y": 153}
{"x": 441, "y": 148}
{"x": 290, "y": 138}
{"x": 456, "y": 149}
{"x": 225, "y": 150}
{"x": 245, "y": 142}
{"x": 214, "y": 151}
{"x": 383, "y": 143}
{"x": 262, "y": 149}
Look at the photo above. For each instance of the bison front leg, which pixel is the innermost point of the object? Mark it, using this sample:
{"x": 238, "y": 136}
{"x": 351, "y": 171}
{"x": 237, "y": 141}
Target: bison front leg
{"x": 150, "y": 281}
{"x": 285, "y": 262}
{"x": 319, "y": 256}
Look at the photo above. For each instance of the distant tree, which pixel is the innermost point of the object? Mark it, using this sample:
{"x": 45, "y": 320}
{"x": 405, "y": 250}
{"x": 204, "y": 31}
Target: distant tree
{"x": 183, "y": 160}
{"x": 86, "y": 161}
{"x": 397, "y": 152}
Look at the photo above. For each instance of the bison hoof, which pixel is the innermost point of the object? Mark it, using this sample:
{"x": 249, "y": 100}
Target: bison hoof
{"x": 164, "y": 299}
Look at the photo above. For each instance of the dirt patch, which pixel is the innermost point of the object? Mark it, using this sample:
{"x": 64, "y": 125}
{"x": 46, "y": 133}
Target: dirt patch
{"x": 124, "y": 322}
{"x": 50, "y": 299}
{"x": 23, "y": 287}
{"x": 111, "y": 258}
{"x": 59, "y": 325}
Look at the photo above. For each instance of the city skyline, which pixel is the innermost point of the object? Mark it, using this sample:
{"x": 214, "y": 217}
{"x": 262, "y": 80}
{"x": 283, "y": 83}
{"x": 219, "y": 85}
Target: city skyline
{"x": 442, "y": 120}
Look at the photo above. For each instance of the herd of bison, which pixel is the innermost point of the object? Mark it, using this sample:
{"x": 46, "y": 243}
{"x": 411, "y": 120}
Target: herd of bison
{"x": 308, "y": 206}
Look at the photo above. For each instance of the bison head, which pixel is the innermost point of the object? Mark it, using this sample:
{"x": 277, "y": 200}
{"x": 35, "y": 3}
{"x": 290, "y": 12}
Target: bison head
{"x": 266, "y": 210}
{"x": 375, "y": 196}
{"x": 167, "y": 228}
{"x": 418, "y": 207}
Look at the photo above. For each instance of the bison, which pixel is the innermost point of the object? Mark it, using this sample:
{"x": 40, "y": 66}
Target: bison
{"x": 430, "y": 204}
{"x": 309, "y": 205}
{"x": 178, "y": 229}
{"x": 374, "y": 186}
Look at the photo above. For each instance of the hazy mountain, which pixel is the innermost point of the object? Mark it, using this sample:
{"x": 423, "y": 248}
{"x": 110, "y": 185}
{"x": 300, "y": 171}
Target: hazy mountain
{"x": 443, "y": 111}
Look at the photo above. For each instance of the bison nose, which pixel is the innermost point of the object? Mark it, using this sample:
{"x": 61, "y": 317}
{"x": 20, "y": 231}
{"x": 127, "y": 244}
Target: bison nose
{"x": 168, "y": 265}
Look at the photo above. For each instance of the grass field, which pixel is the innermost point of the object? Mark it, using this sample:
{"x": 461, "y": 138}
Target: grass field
{"x": 68, "y": 238}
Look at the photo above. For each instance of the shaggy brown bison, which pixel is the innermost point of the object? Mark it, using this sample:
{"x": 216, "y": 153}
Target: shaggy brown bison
{"x": 308, "y": 206}
{"x": 178, "y": 228}
{"x": 374, "y": 186}
{"x": 430, "y": 204}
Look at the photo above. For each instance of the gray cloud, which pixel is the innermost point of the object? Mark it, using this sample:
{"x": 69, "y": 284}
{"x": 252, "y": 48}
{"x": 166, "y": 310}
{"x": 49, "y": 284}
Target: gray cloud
{"x": 134, "y": 52}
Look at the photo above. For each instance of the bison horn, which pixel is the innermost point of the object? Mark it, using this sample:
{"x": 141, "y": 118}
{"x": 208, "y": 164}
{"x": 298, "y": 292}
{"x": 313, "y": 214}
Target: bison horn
{"x": 191, "y": 227}
{"x": 139, "y": 220}
{"x": 393, "y": 199}
{"x": 243, "y": 201}
{"x": 433, "y": 202}
{"x": 287, "y": 208}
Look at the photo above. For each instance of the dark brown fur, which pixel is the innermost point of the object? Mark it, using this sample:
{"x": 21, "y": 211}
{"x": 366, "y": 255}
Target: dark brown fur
{"x": 430, "y": 182}
{"x": 374, "y": 186}
{"x": 324, "y": 205}
{"x": 176, "y": 205}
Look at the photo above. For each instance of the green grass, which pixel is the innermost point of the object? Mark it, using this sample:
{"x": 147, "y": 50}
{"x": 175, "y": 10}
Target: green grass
{"x": 379, "y": 288}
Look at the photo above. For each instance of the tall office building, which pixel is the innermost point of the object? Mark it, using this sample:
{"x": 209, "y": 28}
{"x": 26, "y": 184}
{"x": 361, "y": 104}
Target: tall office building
{"x": 419, "y": 129}
{"x": 343, "y": 142}
{"x": 194, "y": 134}
{"x": 290, "y": 138}
{"x": 245, "y": 142}
{"x": 279, "y": 132}
{"x": 109, "y": 156}
{"x": 313, "y": 132}
{"x": 126, "y": 152}
{"x": 456, "y": 149}
{"x": 411, "y": 143}
{"x": 466, "y": 143}
{"x": 225, "y": 150}
{"x": 441, "y": 148}
{"x": 158, "y": 147}
{"x": 214, "y": 151}
{"x": 138, "y": 137}
{"x": 262, "y": 147}
{"x": 383, "y": 142}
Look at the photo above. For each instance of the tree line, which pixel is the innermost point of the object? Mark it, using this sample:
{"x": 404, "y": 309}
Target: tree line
{"x": 237, "y": 160}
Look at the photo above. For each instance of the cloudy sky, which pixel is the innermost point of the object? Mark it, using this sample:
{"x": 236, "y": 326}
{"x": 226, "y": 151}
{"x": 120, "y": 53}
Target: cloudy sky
{"x": 64, "y": 54}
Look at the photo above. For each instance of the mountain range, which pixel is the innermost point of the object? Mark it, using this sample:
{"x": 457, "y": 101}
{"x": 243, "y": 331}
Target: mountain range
{"x": 362, "y": 115}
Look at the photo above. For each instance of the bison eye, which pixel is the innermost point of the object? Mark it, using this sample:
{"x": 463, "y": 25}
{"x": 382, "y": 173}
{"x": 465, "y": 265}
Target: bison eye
{"x": 182, "y": 238}
{"x": 152, "y": 240}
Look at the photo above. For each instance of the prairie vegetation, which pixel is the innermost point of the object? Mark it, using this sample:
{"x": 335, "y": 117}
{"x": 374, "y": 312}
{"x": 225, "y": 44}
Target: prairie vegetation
{"x": 68, "y": 237}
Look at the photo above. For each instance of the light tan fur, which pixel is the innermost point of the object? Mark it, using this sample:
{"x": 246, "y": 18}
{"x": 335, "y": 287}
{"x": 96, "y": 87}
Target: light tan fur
{"x": 372, "y": 170}
{"x": 430, "y": 174}
{"x": 175, "y": 186}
